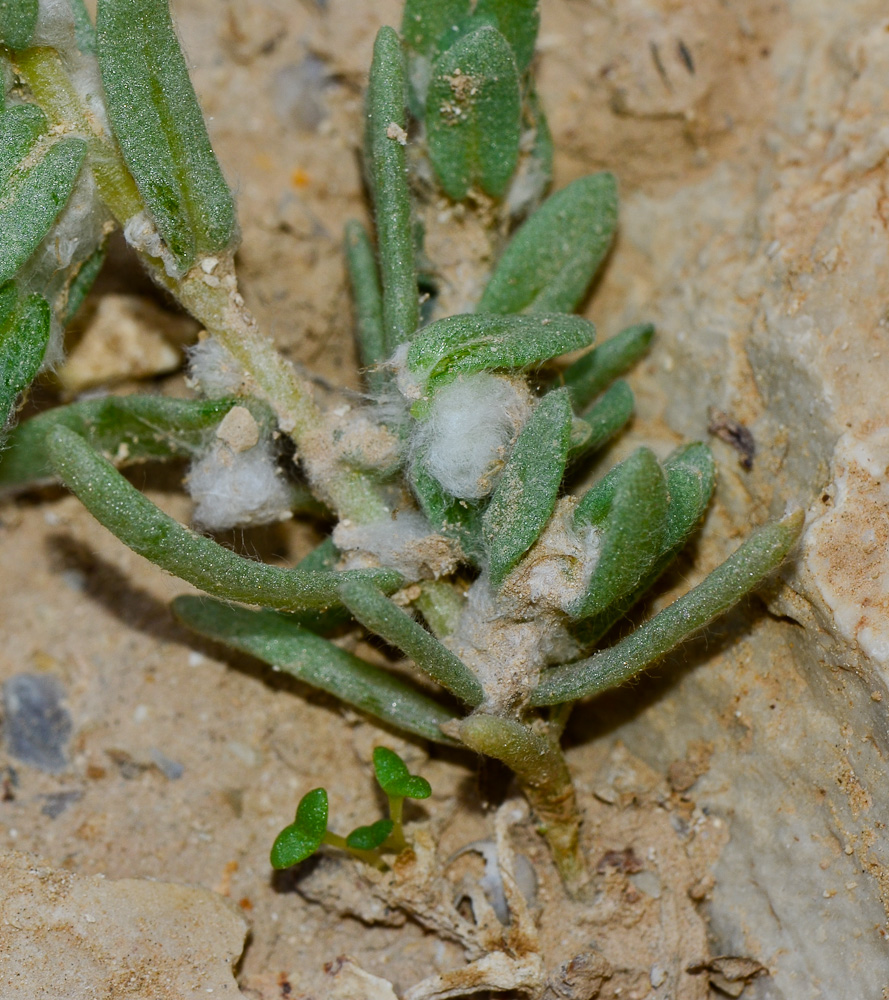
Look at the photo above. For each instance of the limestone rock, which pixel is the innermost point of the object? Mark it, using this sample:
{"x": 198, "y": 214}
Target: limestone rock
{"x": 65, "y": 935}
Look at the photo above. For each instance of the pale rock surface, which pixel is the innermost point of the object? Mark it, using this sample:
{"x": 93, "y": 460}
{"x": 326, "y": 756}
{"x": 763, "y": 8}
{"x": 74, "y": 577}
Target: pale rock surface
{"x": 767, "y": 277}
{"x": 66, "y": 935}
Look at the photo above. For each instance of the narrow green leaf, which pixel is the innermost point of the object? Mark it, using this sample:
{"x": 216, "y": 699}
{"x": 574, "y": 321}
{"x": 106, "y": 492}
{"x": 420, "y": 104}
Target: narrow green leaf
{"x": 691, "y": 474}
{"x": 18, "y": 19}
{"x": 741, "y": 573}
{"x": 463, "y": 344}
{"x": 157, "y": 122}
{"x": 23, "y": 339}
{"x": 530, "y": 755}
{"x": 33, "y": 198}
{"x": 591, "y": 374}
{"x": 368, "y": 300}
{"x": 549, "y": 263}
{"x": 387, "y": 166}
{"x": 426, "y": 24}
{"x": 82, "y": 282}
{"x": 526, "y": 494}
{"x": 384, "y": 618}
{"x": 632, "y": 533}
{"x": 126, "y": 429}
{"x": 518, "y": 22}
{"x": 84, "y": 32}
{"x": 369, "y": 838}
{"x": 458, "y": 519}
{"x": 603, "y": 421}
{"x": 305, "y": 834}
{"x": 21, "y": 125}
{"x": 277, "y": 640}
{"x": 473, "y": 115}
{"x": 394, "y": 777}
{"x": 138, "y": 523}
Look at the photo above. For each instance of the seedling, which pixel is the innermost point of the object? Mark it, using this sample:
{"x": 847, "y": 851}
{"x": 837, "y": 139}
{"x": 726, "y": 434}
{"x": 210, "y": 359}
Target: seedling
{"x": 445, "y": 489}
{"x": 308, "y": 831}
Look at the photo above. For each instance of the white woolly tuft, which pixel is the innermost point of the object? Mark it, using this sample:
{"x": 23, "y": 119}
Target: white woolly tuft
{"x": 405, "y": 543}
{"x": 236, "y": 489}
{"x": 213, "y": 370}
{"x": 464, "y": 440}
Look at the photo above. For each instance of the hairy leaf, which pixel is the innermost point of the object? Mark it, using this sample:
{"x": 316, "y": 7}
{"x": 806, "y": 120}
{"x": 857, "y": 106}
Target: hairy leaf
{"x": 632, "y": 532}
{"x": 365, "y": 280}
{"x": 425, "y": 24}
{"x": 591, "y": 374}
{"x": 18, "y": 18}
{"x": 518, "y": 22}
{"x": 281, "y": 642}
{"x": 33, "y": 197}
{"x": 549, "y": 263}
{"x": 460, "y": 345}
{"x": 473, "y": 115}
{"x": 602, "y": 422}
{"x": 21, "y": 125}
{"x": 24, "y": 334}
{"x": 526, "y": 494}
{"x": 157, "y": 122}
{"x": 138, "y": 523}
{"x": 387, "y": 168}
{"x": 741, "y": 573}
{"x": 126, "y": 429}
{"x": 384, "y": 618}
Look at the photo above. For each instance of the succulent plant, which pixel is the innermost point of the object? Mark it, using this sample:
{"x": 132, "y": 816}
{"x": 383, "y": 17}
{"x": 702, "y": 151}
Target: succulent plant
{"x": 452, "y": 533}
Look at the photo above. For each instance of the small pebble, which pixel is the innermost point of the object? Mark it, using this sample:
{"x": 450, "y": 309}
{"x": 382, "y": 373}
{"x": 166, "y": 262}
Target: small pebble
{"x": 170, "y": 769}
{"x": 37, "y": 726}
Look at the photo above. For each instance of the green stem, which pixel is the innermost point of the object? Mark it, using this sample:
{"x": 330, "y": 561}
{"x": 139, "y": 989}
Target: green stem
{"x": 214, "y": 300}
{"x": 542, "y": 772}
{"x": 369, "y": 857}
{"x": 49, "y": 83}
{"x": 396, "y": 812}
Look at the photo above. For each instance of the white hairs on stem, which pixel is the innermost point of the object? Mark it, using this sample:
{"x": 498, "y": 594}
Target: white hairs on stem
{"x": 464, "y": 439}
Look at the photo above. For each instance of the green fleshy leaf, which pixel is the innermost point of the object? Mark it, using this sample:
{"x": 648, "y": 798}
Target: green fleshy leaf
{"x": 458, "y": 519}
{"x": 368, "y": 300}
{"x": 602, "y": 422}
{"x": 518, "y": 22}
{"x": 280, "y": 641}
{"x": 157, "y": 122}
{"x": 84, "y": 32}
{"x": 24, "y": 334}
{"x": 549, "y": 263}
{"x": 384, "y": 618}
{"x": 369, "y": 838}
{"x": 305, "y": 834}
{"x": 426, "y": 24}
{"x": 632, "y": 532}
{"x": 18, "y": 19}
{"x": 82, "y": 282}
{"x": 387, "y": 170}
{"x": 526, "y": 495}
{"x": 142, "y": 526}
{"x": 691, "y": 475}
{"x": 473, "y": 115}
{"x": 461, "y": 345}
{"x": 125, "y": 429}
{"x": 394, "y": 777}
{"x": 591, "y": 374}
{"x": 741, "y": 573}
{"x": 32, "y": 198}
{"x": 21, "y": 125}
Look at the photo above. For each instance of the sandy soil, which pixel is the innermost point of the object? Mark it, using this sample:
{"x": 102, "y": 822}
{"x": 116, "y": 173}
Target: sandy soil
{"x": 184, "y": 760}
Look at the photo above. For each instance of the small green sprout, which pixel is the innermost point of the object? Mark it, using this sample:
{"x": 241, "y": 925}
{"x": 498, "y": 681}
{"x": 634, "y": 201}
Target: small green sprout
{"x": 302, "y": 838}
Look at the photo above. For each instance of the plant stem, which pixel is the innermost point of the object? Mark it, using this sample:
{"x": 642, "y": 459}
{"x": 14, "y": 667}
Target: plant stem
{"x": 213, "y": 299}
{"x": 369, "y": 857}
{"x": 396, "y": 811}
{"x": 543, "y": 775}
{"x": 49, "y": 83}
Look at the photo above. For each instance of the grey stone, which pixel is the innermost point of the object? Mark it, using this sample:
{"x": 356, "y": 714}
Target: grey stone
{"x": 36, "y": 724}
